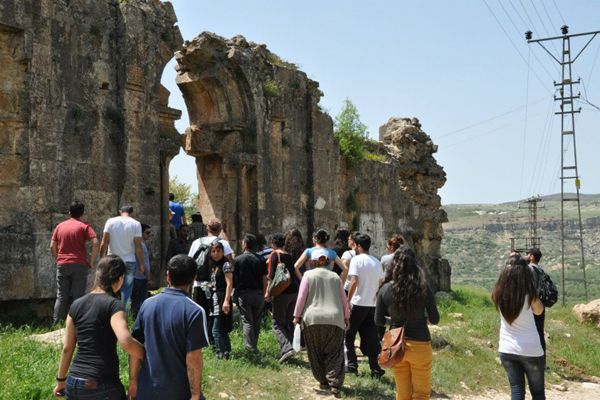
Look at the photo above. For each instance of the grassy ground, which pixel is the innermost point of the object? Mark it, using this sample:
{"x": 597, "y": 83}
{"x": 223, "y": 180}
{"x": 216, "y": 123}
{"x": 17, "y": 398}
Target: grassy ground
{"x": 468, "y": 363}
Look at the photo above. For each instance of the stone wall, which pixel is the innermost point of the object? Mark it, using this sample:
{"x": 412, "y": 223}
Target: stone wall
{"x": 82, "y": 116}
{"x": 267, "y": 159}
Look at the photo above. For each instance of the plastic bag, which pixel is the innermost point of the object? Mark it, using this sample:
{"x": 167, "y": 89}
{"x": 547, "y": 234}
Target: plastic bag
{"x": 296, "y": 342}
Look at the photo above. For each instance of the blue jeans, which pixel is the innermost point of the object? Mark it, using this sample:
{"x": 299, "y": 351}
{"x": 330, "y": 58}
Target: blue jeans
{"x": 78, "y": 389}
{"x": 127, "y": 287}
{"x": 220, "y": 335}
{"x": 138, "y": 295}
{"x": 517, "y": 367}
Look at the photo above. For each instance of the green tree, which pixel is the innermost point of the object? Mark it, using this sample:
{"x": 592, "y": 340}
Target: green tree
{"x": 184, "y": 195}
{"x": 350, "y": 133}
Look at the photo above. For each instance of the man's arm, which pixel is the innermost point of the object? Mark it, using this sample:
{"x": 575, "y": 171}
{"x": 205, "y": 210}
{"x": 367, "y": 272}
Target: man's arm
{"x": 193, "y": 361}
{"x": 54, "y": 248}
{"x": 139, "y": 253}
{"x": 353, "y": 286}
{"x": 104, "y": 244}
{"x": 94, "y": 255}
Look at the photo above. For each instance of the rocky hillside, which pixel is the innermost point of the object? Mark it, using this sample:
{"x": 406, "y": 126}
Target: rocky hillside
{"x": 477, "y": 238}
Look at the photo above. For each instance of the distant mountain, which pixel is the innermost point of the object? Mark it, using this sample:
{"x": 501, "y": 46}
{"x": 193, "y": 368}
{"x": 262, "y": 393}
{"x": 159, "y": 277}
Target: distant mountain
{"x": 477, "y": 240}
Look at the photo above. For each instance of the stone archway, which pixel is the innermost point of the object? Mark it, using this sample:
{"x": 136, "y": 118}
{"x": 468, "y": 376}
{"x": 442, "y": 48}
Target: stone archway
{"x": 221, "y": 135}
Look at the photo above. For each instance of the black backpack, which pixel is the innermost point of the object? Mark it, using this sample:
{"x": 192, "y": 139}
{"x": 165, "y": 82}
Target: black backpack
{"x": 202, "y": 257}
{"x": 547, "y": 291}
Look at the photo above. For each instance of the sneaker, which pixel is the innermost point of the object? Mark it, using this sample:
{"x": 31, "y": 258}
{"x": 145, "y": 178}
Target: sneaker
{"x": 335, "y": 391}
{"x": 377, "y": 373}
{"x": 287, "y": 355}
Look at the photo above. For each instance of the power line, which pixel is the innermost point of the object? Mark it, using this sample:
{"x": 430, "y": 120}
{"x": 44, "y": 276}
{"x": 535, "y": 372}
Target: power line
{"x": 559, "y": 13}
{"x": 487, "y": 120}
{"x": 547, "y": 13}
{"x": 513, "y": 43}
{"x": 519, "y": 32}
{"x": 525, "y": 126}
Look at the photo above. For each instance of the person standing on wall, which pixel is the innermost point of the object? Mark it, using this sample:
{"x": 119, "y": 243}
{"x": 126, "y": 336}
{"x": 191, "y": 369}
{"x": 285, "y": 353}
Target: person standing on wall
{"x": 197, "y": 228}
{"x": 68, "y": 248}
{"x": 250, "y": 277}
{"x": 123, "y": 237}
{"x": 365, "y": 275}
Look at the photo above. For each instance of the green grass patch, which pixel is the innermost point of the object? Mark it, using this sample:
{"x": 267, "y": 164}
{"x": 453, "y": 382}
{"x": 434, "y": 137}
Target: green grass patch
{"x": 468, "y": 364}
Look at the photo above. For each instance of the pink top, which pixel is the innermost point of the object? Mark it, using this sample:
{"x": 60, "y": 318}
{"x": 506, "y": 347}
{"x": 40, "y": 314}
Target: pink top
{"x": 303, "y": 294}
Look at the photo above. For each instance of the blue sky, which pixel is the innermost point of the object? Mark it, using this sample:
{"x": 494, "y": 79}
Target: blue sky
{"x": 480, "y": 91}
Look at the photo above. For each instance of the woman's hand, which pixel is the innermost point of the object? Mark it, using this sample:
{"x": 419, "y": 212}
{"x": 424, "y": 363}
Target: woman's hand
{"x": 226, "y": 307}
{"x": 59, "y": 389}
{"x": 296, "y": 320}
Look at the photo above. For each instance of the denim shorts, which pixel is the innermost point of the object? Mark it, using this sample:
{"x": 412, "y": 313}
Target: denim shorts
{"x": 91, "y": 389}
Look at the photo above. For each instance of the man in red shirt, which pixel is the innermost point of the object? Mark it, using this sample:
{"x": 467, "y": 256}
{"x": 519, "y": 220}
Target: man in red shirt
{"x": 68, "y": 247}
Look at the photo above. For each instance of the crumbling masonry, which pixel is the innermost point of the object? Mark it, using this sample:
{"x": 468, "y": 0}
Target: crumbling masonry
{"x": 83, "y": 116}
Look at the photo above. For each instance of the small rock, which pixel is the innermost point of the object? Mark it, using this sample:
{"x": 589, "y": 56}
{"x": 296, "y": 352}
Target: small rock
{"x": 469, "y": 353}
{"x": 590, "y": 386}
{"x": 560, "y": 388}
{"x": 457, "y": 315}
{"x": 464, "y": 386}
{"x": 567, "y": 335}
{"x": 589, "y": 312}
{"x": 438, "y": 342}
{"x": 223, "y": 395}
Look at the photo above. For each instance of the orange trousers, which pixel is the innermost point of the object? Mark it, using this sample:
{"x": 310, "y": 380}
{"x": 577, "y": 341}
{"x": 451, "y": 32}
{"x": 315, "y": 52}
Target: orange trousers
{"x": 413, "y": 373}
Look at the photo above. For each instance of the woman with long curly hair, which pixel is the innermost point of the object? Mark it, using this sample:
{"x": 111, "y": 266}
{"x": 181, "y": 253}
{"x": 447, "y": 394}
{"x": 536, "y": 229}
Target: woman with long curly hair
{"x": 409, "y": 302}
{"x": 95, "y": 323}
{"x": 520, "y": 349}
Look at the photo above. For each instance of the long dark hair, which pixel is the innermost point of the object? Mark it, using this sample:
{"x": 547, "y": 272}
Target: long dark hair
{"x": 294, "y": 244}
{"x": 216, "y": 264}
{"x": 513, "y": 285}
{"x": 108, "y": 271}
{"x": 408, "y": 281}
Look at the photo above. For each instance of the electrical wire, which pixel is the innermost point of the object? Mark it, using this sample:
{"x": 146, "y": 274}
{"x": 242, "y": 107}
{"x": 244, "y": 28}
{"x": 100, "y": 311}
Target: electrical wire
{"x": 513, "y": 43}
{"x": 559, "y": 13}
{"x": 476, "y": 124}
{"x": 520, "y": 32}
{"x": 547, "y": 13}
{"x": 524, "y": 147}
{"x": 546, "y": 31}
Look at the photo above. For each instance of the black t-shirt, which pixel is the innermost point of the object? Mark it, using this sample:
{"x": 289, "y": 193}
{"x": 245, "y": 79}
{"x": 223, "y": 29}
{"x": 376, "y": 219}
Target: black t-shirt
{"x": 217, "y": 276}
{"x": 249, "y": 270}
{"x": 416, "y": 325}
{"x": 96, "y": 341}
{"x": 289, "y": 265}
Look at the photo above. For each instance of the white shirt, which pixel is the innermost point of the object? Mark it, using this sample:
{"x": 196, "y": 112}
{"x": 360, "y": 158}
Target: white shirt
{"x": 348, "y": 254}
{"x": 206, "y": 240}
{"x": 369, "y": 272}
{"x": 122, "y": 230}
{"x": 521, "y": 337}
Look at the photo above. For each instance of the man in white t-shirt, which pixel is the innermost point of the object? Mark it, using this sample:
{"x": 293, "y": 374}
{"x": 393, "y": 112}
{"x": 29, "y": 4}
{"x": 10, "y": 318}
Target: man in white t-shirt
{"x": 122, "y": 236}
{"x": 365, "y": 275}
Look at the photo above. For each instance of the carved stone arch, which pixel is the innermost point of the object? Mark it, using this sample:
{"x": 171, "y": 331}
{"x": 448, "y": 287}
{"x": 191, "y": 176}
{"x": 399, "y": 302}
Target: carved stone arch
{"x": 222, "y": 133}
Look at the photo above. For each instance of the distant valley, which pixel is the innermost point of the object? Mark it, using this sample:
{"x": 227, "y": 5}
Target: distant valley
{"x": 477, "y": 239}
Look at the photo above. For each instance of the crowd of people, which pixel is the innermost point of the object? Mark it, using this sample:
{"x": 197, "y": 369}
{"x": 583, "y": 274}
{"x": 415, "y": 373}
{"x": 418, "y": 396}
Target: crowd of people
{"x": 332, "y": 293}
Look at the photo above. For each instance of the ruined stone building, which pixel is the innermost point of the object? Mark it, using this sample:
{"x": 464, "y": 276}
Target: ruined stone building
{"x": 83, "y": 116}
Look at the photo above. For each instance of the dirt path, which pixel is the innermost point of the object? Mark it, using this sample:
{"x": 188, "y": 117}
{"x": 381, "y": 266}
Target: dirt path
{"x": 565, "y": 391}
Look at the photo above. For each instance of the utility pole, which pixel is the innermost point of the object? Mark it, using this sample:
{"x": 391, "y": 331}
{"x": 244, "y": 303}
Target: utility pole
{"x": 568, "y": 164}
{"x": 532, "y": 205}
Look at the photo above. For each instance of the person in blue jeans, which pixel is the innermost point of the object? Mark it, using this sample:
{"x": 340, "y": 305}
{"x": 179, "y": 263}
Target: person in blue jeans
{"x": 94, "y": 325}
{"x": 222, "y": 286}
{"x": 140, "y": 280}
{"x": 521, "y": 352}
